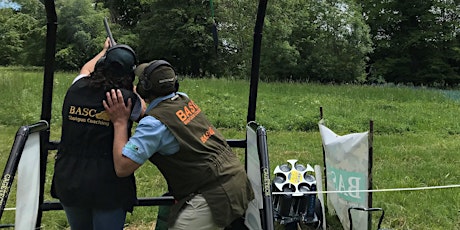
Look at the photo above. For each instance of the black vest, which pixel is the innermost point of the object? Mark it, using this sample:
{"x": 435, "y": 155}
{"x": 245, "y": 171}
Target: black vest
{"x": 204, "y": 164}
{"x": 84, "y": 173}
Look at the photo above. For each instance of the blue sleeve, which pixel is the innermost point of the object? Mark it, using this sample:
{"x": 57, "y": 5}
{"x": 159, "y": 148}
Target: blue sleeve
{"x": 151, "y": 136}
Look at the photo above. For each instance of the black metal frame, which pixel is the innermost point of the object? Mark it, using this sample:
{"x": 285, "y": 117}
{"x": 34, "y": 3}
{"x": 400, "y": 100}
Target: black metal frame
{"x": 266, "y": 214}
{"x": 47, "y": 145}
{"x": 13, "y": 160}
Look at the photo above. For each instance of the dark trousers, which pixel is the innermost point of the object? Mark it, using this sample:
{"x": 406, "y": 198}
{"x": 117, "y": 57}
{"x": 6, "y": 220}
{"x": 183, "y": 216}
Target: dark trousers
{"x": 95, "y": 219}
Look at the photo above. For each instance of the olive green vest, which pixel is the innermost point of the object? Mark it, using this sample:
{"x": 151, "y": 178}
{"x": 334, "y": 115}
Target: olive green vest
{"x": 204, "y": 164}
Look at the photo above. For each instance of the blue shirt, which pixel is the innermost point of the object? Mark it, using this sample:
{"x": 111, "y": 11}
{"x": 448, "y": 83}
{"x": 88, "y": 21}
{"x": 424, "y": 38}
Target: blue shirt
{"x": 151, "y": 136}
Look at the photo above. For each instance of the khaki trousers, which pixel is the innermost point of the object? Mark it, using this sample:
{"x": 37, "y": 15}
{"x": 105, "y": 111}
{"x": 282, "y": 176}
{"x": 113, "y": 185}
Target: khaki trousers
{"x": 196, "y": 215}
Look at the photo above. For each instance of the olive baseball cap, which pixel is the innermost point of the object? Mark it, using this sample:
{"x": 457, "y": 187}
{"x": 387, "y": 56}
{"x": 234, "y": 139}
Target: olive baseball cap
{"x": 156, "y": 78}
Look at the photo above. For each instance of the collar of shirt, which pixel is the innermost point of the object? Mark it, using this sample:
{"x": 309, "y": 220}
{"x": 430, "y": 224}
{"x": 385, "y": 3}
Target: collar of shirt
{"x": 157, "y": 100}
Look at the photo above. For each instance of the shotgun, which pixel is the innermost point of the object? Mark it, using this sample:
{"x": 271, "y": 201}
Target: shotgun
{"x": 109, "y": 33}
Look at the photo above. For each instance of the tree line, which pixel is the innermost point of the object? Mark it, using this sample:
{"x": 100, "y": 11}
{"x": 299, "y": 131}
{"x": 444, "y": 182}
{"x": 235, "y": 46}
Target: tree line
{"x": 329, "y": 41}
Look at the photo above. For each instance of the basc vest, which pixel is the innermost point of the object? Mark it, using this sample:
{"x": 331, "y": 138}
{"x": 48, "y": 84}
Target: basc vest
{"x": 84, "y": 173}
{"x": 204, "y": 164}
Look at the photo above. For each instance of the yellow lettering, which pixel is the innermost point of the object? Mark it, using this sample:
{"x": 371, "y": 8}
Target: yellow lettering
{"x": 75, "y": 110}
{"x": 78, "y": 111}
{"x": 92, "y": 112}
{"x": 85, "y": 111}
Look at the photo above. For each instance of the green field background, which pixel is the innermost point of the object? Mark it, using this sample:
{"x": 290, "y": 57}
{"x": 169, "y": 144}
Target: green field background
{"x": 416, "y": 138}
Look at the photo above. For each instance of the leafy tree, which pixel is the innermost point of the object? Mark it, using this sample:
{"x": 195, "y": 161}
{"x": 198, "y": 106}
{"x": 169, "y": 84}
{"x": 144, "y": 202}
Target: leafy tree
{"x": 34, "y": 35}
{"x": 325, "y": 41}
{"x": 10, "y": 42}
{"x": 33, "y": 8}
{"x": 33, "y": 24}
{"x": 319, "y": 40}
{"x": 236, "y": 21}
{"x": 178, "y": 31}
{"x": 21, "y": 34}
{"x": 80, "y": 33}
{"x": 125, "y": 13}
{"x": 415, "y": 41}
{"x": 281, "y": 55}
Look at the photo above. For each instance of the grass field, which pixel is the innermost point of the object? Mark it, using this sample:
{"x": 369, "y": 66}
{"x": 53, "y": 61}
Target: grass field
{"x": 416, "y": 138}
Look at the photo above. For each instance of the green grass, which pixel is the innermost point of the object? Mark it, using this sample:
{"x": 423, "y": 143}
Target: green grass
{"x": 416, "y": 137}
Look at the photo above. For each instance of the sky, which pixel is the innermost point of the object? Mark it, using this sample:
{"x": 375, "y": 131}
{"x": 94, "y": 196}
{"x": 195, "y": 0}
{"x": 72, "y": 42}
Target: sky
{"x": 9, "y": 4}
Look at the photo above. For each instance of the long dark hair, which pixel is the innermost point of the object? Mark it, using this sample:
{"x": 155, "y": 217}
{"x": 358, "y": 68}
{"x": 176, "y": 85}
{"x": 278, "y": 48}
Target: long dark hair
{"x": 107, "y": 79}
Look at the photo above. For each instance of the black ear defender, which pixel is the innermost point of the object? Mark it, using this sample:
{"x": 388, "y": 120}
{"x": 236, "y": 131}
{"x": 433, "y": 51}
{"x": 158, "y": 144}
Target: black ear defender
{"x": 125, "y": 47}
{"x": 143, "y": 79}
{"x": 112, "y": 56}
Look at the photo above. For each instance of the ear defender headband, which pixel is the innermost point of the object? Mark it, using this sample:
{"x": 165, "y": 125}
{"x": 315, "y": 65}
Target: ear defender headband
{"x": 143, "y": 79}
{"x": 121, "y": 46}
{"x": 157, "y": 84}
{"x": 102, "y": 62}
